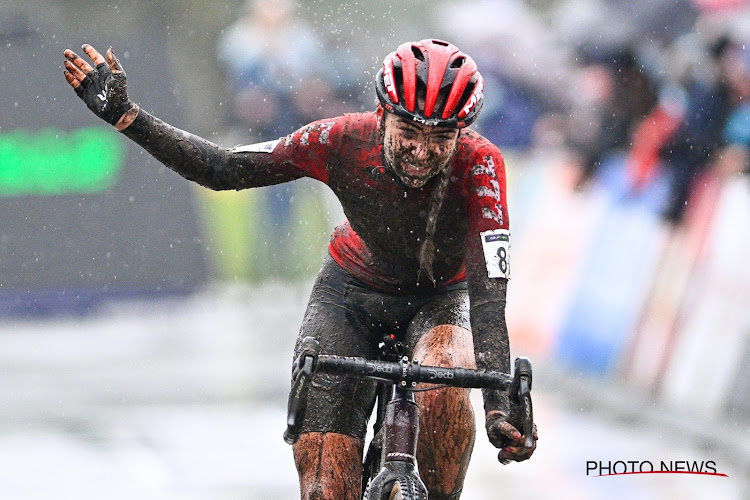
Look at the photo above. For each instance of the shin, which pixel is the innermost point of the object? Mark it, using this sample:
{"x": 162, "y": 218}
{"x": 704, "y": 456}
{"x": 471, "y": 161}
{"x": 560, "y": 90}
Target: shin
{"x": 329, "y": 466}
{"x": 447, "y": 429}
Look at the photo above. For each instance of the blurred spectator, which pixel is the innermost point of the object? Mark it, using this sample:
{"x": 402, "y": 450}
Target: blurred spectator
{"x": 709, "y": 99}
{"x": 734, "y": 156}
{"x": 281, "y": 77}
{"x": 615, "y": 94}
{"x": 511, "y": 110}
{"x": 267, "y": 53}
{"x": 525, "y": 68}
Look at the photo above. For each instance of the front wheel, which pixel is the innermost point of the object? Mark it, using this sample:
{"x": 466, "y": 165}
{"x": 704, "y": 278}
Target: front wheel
{"x": 396, "y": 481}
{"x": 396, "y": 492}
{"x": 408, "y": 488}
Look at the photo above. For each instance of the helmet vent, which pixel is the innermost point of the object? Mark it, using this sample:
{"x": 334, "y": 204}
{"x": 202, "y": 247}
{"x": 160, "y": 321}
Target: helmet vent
{"x": 458, "y": 62}
{"x": 440, "y": 42}
{"x": 417, "y": 53}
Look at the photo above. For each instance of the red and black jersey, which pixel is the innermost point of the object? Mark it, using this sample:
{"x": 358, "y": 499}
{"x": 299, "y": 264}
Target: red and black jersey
{"x": 380, "y": 241}
{"x": 386, "y": 221}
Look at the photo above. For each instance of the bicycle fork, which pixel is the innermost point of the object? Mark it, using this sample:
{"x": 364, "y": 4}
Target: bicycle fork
{"x": 401, "y": 427}
{"x": 401, "y": 430}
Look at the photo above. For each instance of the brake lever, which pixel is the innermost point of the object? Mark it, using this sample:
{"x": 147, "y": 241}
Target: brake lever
{"x": 521, "y": 392}
{"x": 302, "y": 370}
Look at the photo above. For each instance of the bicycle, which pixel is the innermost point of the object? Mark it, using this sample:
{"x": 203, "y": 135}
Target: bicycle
{"x": 390, "y": 465}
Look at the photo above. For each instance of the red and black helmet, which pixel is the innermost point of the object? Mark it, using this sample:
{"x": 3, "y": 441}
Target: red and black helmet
{"x": 431, "y": 82}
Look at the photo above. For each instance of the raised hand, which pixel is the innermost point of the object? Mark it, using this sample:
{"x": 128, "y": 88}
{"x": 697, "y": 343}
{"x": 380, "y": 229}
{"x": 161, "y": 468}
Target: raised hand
{"x": 103, "y": 87}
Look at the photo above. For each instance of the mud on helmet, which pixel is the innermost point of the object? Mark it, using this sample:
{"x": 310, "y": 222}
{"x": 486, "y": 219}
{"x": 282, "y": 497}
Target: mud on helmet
{"x": 431, "y": 82}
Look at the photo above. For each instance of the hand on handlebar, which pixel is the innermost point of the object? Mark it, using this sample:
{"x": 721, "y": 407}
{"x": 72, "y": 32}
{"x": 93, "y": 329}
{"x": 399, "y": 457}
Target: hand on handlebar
{"x": 103, "y": 87}
{"x": 515, "y": 434}
{"x": 506, "y": 436}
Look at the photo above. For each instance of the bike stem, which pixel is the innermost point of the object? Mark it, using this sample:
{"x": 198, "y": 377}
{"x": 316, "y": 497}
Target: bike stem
{"x": 401, "y": 427}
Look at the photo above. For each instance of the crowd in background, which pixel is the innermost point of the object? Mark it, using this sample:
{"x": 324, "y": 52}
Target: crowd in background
{"x": 667, "y": 97}
{"x": 664, "y": 99}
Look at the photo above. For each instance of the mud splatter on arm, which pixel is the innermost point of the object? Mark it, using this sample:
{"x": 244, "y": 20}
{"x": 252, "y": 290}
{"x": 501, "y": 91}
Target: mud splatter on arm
{"x": 203, "y": 161}
{"x": 491, "y": 343}
{"x": 487, "y": 267}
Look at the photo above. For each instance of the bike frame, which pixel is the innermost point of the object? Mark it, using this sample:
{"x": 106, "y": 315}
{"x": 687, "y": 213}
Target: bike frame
{"x": 398, "y": 417}
{"x": 394, "y": 459}
{"x": 390, "y": 463}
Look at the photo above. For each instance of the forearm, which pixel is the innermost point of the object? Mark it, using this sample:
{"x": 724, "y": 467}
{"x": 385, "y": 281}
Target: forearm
{"x": 490, "y": 332}
{"x": 200, "y": 160}
{"x": 190, "y": 156}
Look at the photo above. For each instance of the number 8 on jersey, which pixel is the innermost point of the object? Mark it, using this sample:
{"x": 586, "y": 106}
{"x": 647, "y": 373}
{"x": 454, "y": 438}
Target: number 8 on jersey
{"x": 496, "y": 246}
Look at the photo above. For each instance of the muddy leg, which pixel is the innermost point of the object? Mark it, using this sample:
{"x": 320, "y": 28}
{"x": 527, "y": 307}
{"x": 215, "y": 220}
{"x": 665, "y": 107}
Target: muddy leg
{"x": 446, "y": 424}
{"x": 329, "y": 466}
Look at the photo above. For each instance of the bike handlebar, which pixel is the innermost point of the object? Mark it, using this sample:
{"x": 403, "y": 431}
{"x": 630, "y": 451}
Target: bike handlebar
{"x": 403, "y": 373}
{"x": 407, "y": 373}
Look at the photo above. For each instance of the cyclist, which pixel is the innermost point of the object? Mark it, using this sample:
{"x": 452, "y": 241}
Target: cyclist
{"x": 423, "y": 254}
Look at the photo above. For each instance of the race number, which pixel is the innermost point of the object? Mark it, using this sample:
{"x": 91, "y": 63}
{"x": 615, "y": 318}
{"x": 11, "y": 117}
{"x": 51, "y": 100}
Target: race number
{"x": 496, "y": 246}
{"x": 262, "y": 147}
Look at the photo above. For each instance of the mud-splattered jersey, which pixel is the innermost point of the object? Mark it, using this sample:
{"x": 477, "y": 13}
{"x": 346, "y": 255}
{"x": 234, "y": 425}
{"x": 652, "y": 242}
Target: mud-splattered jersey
{"x": 386, "y": 221}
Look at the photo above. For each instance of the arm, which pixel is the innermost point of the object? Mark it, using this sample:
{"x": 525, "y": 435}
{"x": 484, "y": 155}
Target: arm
{"x": 103, "y": 88}
{"x": 488, "y": 271}
{"x": 491, "y": 344}
{"x": 203, "y": 161}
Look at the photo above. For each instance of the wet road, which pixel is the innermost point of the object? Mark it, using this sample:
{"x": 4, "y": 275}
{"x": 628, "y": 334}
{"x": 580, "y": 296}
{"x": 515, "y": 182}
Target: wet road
{"x": 185, "y": 399}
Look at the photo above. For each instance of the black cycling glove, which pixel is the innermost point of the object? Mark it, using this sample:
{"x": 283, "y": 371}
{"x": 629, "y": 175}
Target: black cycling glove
{"x": 105, "y": 92}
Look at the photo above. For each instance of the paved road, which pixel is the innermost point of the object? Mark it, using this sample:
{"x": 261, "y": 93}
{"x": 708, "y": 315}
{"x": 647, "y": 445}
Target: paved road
{"x": 184, "y": 399}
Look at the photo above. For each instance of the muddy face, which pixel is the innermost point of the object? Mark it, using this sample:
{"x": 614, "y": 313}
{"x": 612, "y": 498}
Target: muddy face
{"x": 416, "y": 152}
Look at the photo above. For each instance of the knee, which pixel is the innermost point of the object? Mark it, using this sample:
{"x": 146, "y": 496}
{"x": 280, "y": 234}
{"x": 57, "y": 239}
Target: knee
{"x": 448, "y": 346}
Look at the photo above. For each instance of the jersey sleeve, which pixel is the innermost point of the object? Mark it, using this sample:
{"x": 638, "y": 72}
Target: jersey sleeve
{"x": 488, "y": 265}
{"x": 309, "y": 150}
{"x": 304, "y": 153}
{"x": 487, "y": 209}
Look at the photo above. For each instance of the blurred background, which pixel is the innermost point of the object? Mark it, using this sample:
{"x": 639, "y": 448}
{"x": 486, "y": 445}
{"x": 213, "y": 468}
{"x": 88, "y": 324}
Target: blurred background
{"x": 147, "y": 324}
